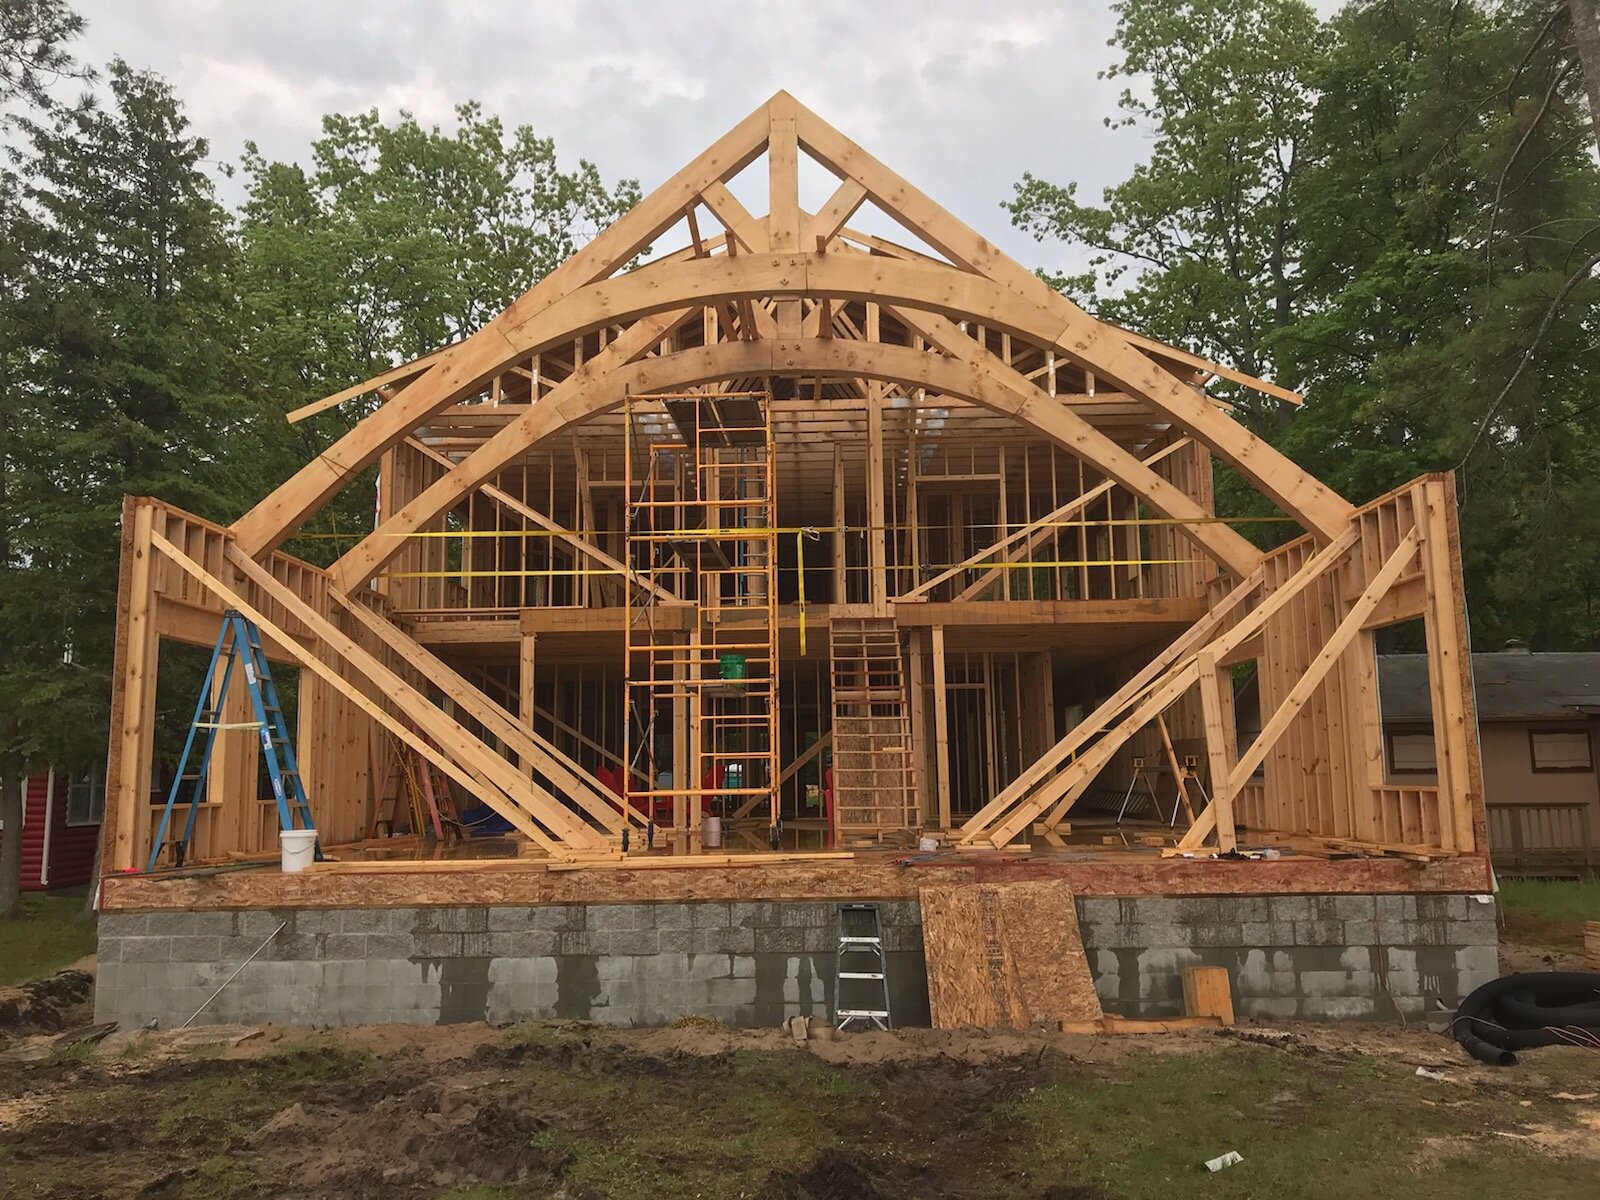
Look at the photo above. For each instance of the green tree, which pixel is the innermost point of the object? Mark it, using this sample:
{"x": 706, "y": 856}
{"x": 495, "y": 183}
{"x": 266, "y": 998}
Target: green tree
{"x": 1450, "y": 231}
{"x": 1402, "y": 225}
{"x": 125, "y": 386}
{"x": 33, "y": 57}
{"x": 1200, "y": 243}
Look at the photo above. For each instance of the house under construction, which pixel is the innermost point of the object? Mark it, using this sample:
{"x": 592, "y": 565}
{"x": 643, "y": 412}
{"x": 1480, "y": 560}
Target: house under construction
{"x": 848, "y": 543}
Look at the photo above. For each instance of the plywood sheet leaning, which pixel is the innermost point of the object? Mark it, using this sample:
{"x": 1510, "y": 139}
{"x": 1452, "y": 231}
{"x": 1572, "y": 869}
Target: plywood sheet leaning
{"x": 1005, "y": 955}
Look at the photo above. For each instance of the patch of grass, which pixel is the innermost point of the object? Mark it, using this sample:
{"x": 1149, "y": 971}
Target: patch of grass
{"x": 1308, "y": 1130}
{"x": 140, "y": 1048}
{"x": 77, "y": 1052}
{"x": 221, "y": 1176}
{"x": 1549, "y": 912}
{"x": 1311, "y": 1126}
{"x": 53, "y": 932}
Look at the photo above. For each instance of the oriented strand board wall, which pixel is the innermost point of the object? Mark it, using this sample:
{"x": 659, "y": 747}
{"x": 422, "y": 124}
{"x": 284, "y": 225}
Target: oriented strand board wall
{"x": 1005, "y": 956}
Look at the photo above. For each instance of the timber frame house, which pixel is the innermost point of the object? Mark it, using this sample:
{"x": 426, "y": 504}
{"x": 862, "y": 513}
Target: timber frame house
{"x": 803, "y": 526}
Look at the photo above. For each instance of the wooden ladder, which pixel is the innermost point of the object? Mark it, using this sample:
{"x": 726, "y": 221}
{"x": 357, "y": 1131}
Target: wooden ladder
{"x": 873, "y": 779}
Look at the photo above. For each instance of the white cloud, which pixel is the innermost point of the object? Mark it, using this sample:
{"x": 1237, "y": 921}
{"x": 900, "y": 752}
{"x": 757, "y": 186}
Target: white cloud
{"x": 958, "y": 99}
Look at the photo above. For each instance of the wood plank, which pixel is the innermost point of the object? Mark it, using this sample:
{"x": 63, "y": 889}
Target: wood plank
{"x": 1207, "y": 993}
{"x": 941, "y": 730}
{"x": 136, "y": 655}
{"x": 876, "y": 876}
{"x": 578, "y": 786}
{"x": 1132, "y": 1026}
{"x": 1219, "y": 752}
{"x": 1005, "y": 956}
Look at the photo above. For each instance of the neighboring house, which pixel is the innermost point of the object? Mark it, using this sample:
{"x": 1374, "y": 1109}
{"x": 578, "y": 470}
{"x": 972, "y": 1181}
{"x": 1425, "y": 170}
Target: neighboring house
{"x": 60, "y": 826}
{"x": 1539, "y": 725}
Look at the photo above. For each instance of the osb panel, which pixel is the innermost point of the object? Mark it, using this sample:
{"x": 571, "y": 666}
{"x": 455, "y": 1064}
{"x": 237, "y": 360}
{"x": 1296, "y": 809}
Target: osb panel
{"x": 1005, "y": 956}
{"x": 863, "y": 878}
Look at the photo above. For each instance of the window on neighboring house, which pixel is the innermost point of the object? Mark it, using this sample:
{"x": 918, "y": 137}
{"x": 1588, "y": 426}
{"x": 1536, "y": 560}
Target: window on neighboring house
{"x": 86, "y": 798}
{"x": 1560, "y": 750}
{"x": 1411, "y": 754}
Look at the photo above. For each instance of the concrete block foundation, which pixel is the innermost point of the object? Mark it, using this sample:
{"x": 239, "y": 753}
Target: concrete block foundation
{"x": 1328, "y": 957}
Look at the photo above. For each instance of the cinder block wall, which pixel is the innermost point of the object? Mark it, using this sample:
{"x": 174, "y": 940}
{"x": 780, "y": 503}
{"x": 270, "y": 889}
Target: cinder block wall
{"x": 754, "y": 964}
{"x": 1314, "y": 957}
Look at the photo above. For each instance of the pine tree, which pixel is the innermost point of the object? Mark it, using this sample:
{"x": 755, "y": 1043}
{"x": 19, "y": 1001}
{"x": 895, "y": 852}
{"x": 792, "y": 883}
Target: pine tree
{"x": 33, "y": 57}
{"x": 125, "y": 383}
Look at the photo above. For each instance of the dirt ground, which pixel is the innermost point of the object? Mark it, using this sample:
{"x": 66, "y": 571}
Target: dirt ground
{"x": 564, "y": 1109}
{"x": 576, "y": 1110}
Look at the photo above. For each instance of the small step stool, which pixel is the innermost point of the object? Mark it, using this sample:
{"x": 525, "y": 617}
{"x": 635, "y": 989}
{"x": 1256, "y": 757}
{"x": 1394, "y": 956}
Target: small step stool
{"x": 863, "y": 969}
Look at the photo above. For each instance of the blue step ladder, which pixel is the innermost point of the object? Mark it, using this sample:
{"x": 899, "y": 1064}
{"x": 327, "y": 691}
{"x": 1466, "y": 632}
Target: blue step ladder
{"x": 238, "y": 641}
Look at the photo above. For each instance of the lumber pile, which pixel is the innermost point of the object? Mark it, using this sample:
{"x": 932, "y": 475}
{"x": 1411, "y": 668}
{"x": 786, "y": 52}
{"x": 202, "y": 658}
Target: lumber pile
{"x": 1005, "y": 956}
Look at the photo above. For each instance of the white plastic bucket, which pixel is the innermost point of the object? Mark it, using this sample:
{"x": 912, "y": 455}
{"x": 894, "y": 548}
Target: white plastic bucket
{"x": 711, "y": 832}
{"x": 299, "y": 848}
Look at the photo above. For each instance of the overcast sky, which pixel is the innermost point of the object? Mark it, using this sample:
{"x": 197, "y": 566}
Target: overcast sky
{"x": 959, "y": 101}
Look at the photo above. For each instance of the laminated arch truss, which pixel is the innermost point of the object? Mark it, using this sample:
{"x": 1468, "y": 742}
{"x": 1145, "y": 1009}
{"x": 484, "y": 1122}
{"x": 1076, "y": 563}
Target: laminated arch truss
{"x": 748, "y": 298}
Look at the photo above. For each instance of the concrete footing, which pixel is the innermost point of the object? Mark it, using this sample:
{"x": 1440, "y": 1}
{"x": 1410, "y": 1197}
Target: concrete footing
{"x": 753, "y": 964}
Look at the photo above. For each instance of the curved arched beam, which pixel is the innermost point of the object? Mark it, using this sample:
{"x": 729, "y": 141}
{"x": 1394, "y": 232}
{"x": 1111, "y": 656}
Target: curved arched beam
{"x": 971, "y": 381}
{"x": 933, "y": 287}
{"x": 784, "y": 127}
{"x": 919, "y": 285}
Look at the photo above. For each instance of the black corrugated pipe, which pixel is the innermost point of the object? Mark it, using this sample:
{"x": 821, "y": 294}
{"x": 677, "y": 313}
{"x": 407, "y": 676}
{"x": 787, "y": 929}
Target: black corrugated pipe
{"x": 1521, "y": 1012}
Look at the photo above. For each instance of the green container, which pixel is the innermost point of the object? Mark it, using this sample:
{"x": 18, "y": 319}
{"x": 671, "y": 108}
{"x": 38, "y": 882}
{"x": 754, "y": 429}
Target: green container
{"x": 732, "y": 666}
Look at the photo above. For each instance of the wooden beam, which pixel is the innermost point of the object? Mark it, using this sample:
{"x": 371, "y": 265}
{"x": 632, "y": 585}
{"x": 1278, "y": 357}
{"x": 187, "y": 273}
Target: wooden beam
{"x": 582, "y": 545}
{"x": 505, "y": 784}
{"x": 313, "y": 662}
{"x": 783, "y": 201}
{"x": 1162, "y": 350}
{"x": 941, "y": 728}
{"x": 1237, "y": 775}
{"x": 528, "y": 746}
{"x": 888, "y": 363}
{"x": 527, "y": 646}
{"x": 877, "y": 521}
{"x": 401, "y": 374}
{"x": 735, "y": 217}
{"x": 1179, "y": 775}
{"x": 1034, "y": 532}
{"x": 811, "y": 752}
{"x": 1319, "y": 667}
{"x": 1003, "y": 817}
{"x": 841, "y": 591}
{"x": 539, "y": 420}
{"x": 463, "y": 368}
{"x": 835, "y": 212}
{"x": 134, "y": 694}
{"x": 1219, "y": 750}
{"x": 1089, "y": 343}
{"x": 1095, "y": 448}
{"x": 1197, "y": 635}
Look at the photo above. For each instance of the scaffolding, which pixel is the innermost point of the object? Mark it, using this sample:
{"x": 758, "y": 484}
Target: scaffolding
{"x": 701, "y": 720}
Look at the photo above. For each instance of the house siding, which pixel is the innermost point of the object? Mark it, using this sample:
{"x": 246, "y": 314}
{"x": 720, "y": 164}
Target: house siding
{"x": 71, "y": 846}
{"x": 35, "y": 799}
{"x": 54, "y": 853}
{"x": 1537, "y": 819}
